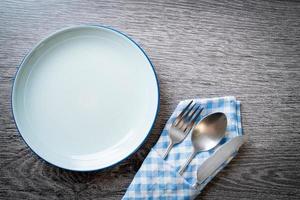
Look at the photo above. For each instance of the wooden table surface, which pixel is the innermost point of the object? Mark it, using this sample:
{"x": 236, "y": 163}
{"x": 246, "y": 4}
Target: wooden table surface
{"x": 199, "y": 49}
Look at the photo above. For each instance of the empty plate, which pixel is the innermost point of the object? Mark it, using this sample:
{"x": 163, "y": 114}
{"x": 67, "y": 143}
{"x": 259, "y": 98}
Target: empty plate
{"x": 85, "y": 98}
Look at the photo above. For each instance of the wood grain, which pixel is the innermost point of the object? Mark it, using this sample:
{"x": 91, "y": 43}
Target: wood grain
{"x": 207, "y": 48}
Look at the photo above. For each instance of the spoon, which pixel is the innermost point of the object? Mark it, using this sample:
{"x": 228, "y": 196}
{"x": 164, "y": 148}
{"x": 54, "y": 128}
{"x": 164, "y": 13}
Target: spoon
{"x": 207, "y": 134}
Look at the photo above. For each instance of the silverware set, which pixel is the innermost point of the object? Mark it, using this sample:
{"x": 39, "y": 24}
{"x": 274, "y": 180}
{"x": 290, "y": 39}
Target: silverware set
{"x": 205, "y": 135}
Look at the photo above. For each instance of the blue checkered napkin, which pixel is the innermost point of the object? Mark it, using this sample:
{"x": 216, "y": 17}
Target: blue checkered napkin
{"x": 159, "y": 179}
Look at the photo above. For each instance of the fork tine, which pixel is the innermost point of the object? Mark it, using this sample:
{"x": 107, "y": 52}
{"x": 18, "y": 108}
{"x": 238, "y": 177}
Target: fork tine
{"x": 187, "y": 113}
{"x": 193, "y": 120}
{"x": 179, "y": 117}
{"x": 188, "y": 121}
{"x": 193, "y": 113}
{"x": 186, "y": 116}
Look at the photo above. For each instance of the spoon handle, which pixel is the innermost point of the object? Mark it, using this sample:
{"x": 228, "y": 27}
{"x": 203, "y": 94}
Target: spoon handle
{"x": 168, "y": 150}
{"x": 181, "y": 170}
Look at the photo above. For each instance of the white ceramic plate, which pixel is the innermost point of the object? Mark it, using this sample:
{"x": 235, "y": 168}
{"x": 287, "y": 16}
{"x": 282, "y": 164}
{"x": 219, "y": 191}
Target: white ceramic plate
{"x": 85, "y": 98}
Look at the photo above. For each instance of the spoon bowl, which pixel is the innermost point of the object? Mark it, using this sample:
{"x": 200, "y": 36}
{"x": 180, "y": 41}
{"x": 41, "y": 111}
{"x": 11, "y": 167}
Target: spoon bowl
{"x": 207, "y": 134}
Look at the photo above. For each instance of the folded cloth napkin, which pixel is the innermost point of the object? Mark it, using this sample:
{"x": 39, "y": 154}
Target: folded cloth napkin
{"x": 159, "y": 179}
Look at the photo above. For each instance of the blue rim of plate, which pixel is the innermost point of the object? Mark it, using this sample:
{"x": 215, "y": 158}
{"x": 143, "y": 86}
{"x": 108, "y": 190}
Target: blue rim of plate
{"x": 100, "y": 27}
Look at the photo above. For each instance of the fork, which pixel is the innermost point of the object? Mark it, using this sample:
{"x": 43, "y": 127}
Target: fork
{"x": 182, "y": 125}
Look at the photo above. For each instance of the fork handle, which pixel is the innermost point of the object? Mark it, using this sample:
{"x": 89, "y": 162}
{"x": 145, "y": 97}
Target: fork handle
{"x": 168, "y": 150}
